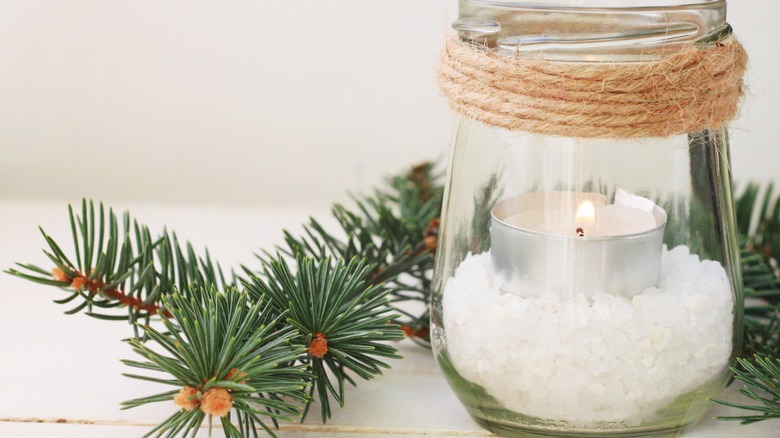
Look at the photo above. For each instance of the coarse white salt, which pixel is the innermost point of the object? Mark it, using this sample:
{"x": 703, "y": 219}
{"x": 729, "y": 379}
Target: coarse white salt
{"x": 586, "y": 361}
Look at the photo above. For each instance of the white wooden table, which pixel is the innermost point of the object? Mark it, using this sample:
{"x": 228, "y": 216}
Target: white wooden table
{"x": 61, "y": 375}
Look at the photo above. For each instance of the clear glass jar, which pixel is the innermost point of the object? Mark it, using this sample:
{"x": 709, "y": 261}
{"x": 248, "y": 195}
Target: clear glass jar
{"x": 587, "y": 286}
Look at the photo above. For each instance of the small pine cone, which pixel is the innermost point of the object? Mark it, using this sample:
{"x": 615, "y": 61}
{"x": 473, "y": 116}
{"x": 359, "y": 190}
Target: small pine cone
{"x": 430, "y": 243}
{"x": 186, "y": 398}
{"x": 59, "y": 275}
{"x": 217, "y": 402}
{"x": 420, "y": 178}
{"x": 431, "y": 234}
{"x": 318, "y": 346}
{"x": 78, "y": 283}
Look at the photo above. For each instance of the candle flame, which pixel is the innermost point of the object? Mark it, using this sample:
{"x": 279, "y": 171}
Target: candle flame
{"x": 586, "y": 213}
{"x": 586, "y": 216}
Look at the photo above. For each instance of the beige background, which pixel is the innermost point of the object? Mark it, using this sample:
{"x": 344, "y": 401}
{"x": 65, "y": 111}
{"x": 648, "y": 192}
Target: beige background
{"x": 258, "y": 103}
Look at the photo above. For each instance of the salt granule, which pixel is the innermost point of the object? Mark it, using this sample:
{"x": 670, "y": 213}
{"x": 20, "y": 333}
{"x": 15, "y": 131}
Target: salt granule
{"x": 584, "y": 361}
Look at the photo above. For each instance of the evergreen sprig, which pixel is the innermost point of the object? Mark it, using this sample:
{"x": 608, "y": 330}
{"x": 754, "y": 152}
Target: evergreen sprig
{"x": 761, "y": 377}
{"x": 395, "y": 232}
{"x": 758, "y": 222}
{"x": 344, "y": 321}
{"x": 119, "y": 268}
{"x": 228, "y": 357}
{"x": 121, "y": 272}
{"x": 762, "y": 312}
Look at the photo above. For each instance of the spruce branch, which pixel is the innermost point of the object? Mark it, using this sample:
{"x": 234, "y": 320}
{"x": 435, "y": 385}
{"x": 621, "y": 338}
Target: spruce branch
{"x": 761, "y": 377}
{"x": 344, "y": 321}
{"x": 228, "y": 357}
{"x": 395, "y": 231}
{"x": 338, "y": 326}
{"x": 115, "y": 266}
{"x": 762, "y": 312}
{"x": 758, "y": 222}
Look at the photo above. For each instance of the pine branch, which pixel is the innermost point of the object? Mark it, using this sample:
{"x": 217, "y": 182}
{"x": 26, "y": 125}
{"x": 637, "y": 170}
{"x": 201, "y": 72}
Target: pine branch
{"x": 344, "y": 321}
{"x": 228, "y": 357}
{"x": 758, "y": 222}
{"x": 339, "y": 326}
{"x": 395, "y": 232}
{"x": 119, "y": 267}
{"x": 762, "y": 313}
{"x": 761, "y": 377}
{"x": 115, "y": 265}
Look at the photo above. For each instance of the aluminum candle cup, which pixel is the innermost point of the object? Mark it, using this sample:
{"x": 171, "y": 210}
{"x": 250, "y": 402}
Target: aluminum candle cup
{"x": 552, "y": 252}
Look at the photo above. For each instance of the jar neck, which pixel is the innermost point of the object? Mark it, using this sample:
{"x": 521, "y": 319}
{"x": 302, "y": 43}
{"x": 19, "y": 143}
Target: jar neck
{"x": 604, "y": 30}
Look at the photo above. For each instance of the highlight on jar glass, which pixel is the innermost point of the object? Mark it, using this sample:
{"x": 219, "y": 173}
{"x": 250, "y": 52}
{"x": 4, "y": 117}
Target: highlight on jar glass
{"x": 587, "y": 278}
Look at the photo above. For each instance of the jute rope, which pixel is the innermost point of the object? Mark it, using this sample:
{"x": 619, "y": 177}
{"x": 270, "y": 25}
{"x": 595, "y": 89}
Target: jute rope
{"x": 687, "y": 91}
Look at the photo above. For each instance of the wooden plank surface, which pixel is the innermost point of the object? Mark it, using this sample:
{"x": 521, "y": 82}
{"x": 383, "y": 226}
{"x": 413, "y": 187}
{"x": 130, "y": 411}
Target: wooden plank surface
{"x": 62, "y": 376}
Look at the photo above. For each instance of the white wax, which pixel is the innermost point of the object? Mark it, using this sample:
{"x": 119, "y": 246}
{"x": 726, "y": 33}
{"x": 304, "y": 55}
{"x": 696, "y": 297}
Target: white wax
{"x": 618, "y": 220}
{"x": 631, "y": 214}
{"x": 609, "y": 220}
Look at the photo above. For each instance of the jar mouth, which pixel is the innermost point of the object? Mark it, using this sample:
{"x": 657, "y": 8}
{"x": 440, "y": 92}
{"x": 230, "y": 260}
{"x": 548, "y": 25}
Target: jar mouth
{"x": 596, "y": 4}
{"x": 601, "y": 31}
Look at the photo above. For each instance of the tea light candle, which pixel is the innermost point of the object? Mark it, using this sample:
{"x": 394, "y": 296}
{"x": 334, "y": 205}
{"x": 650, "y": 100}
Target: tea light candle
{"x": 573, "y": 242}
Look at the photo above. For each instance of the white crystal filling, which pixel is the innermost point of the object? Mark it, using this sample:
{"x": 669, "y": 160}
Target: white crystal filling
{"x": 586, "y": 361}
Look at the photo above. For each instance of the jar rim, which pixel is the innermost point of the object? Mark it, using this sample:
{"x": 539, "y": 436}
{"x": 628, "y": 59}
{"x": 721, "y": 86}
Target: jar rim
{"x": 598, "y": 5}
{"x": 558, "y": 31}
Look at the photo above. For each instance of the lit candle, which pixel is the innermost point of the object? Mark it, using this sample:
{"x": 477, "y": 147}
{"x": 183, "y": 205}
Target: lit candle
{"x": 574, "y": 242}
{"x": 585, "y": 218}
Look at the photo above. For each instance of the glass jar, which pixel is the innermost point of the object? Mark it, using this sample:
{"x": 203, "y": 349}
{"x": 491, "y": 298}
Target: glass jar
{"x": 587, "y": 285}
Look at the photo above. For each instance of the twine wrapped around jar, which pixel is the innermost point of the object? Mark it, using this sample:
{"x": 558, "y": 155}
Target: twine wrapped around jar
{"x": 686, "y": 91}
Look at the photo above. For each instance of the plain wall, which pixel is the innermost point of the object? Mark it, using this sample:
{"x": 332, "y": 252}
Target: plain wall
{"x": 285, "y": 103}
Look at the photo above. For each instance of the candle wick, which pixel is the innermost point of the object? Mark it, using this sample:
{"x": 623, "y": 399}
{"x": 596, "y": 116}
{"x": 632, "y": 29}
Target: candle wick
{"x": 580, "y": 232}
